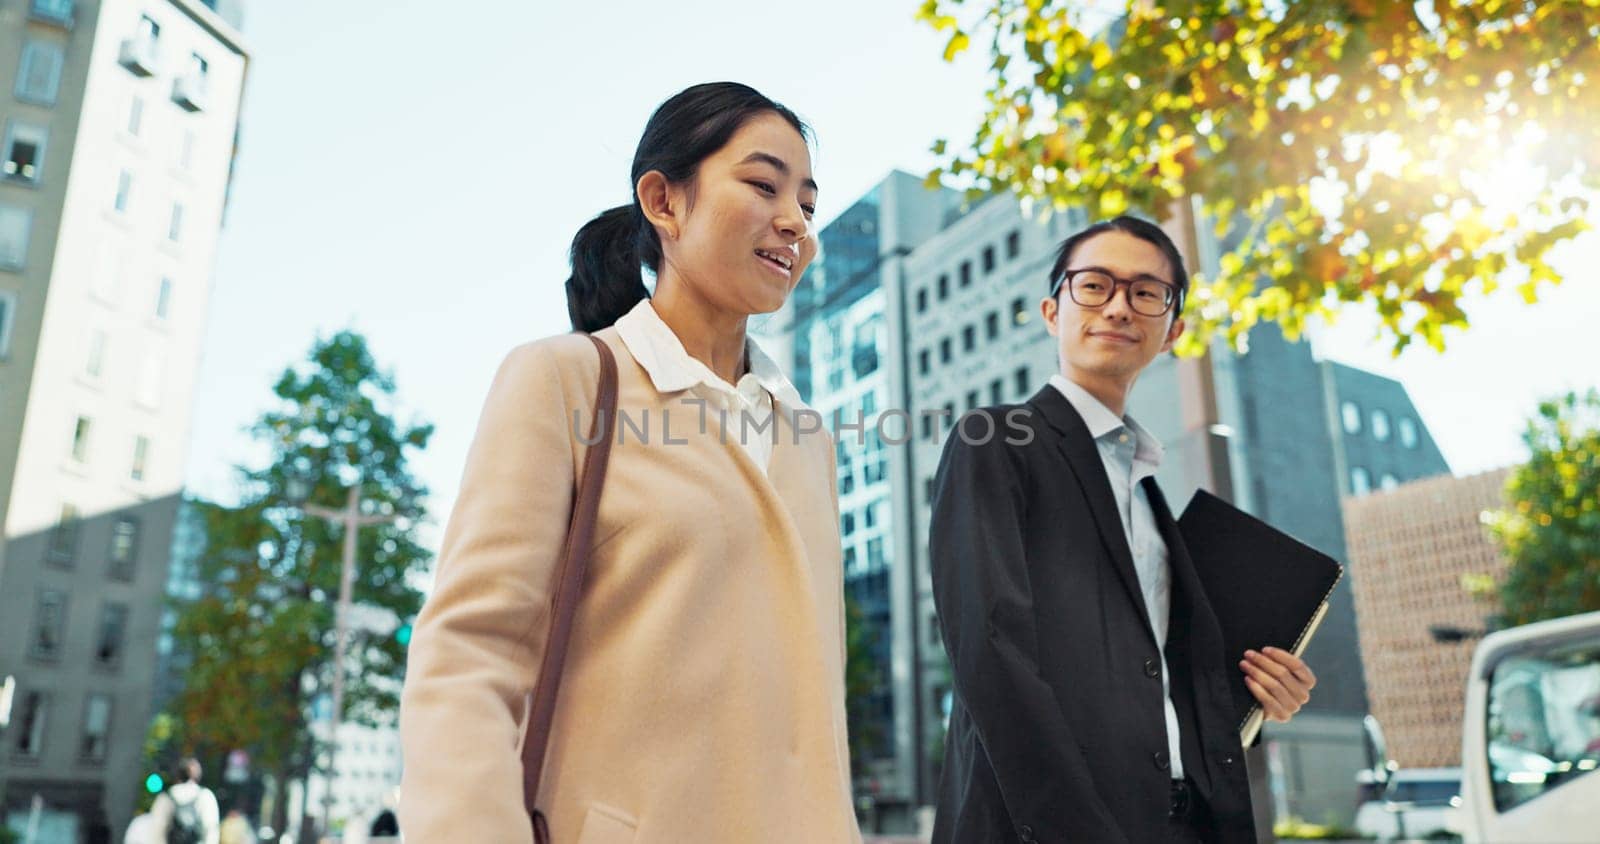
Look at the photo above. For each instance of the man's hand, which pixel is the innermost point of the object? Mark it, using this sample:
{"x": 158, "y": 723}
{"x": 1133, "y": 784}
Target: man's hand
{"x": 1279, "y": 680}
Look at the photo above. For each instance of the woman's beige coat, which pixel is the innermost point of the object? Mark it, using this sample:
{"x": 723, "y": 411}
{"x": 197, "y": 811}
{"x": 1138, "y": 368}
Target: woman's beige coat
{"x": 703, "y": 699}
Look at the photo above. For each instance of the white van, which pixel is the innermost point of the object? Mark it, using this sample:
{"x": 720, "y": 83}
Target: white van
{"x": 1530, "y": 744}
{"x": 1417, "y": 803}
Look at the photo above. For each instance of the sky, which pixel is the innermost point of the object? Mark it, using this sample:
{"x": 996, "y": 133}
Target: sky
{"x": 416, "y": 172}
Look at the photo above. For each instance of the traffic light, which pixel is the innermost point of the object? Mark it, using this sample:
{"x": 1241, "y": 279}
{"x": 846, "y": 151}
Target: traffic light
{"x": 153, "y": 783}
{"x": 402, "y": 634}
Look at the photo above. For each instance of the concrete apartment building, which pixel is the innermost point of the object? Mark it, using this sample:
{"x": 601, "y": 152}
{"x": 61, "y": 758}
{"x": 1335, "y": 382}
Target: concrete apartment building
{"x": 1412, "y": 545}
{"x": 119, "y": 121}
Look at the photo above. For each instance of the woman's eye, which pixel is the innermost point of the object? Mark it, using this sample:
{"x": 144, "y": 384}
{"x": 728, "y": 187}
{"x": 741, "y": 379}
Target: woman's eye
{"x": 810, "y": 210}
{"x": 765, "y": 187}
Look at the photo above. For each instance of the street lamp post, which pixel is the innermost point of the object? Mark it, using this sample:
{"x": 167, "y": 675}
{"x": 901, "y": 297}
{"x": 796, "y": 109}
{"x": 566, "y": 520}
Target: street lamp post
{"x": 352, "y": 520}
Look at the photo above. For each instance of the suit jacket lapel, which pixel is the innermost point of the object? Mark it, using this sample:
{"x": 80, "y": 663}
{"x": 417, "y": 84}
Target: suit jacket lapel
{"x": 1084, "y": 457}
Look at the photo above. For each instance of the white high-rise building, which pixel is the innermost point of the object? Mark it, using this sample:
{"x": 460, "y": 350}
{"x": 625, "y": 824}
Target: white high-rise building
{"x": 119, "y": 120}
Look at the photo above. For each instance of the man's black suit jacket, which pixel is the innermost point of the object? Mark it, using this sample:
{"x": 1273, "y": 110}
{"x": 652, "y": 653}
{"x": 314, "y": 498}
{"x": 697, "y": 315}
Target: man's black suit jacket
{"x": 1058, "y": 730}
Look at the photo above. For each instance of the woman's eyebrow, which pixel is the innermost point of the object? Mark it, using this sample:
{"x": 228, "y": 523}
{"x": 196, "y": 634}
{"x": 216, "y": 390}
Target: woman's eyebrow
{"x": 777, "y": 163}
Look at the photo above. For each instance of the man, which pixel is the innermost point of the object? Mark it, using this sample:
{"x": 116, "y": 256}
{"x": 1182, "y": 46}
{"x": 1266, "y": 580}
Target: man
{"x": 1091, "y": 699}
{"x": 186, "y": 813}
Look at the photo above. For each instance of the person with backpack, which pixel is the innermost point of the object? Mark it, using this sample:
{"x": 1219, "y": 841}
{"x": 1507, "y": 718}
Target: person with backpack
{"x": 186, "y": 813}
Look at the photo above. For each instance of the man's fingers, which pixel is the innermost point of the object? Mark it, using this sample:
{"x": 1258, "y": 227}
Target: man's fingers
{"x": 1277, "y": 680}
{"x": 1269, "y": 703}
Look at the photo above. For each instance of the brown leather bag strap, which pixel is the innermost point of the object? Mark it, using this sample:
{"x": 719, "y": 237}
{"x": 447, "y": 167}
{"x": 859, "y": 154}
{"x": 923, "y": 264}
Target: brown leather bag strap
{"x": 568, "y": 587}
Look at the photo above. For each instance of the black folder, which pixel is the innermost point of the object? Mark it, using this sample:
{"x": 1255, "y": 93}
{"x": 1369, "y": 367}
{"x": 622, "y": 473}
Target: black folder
{"x": 1267, "y": 588}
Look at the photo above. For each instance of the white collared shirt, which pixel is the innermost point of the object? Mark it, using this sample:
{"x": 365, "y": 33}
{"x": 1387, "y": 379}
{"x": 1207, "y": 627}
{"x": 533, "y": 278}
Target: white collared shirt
{"x": 1131, "y": 454}
{"x": 742, "y": 413}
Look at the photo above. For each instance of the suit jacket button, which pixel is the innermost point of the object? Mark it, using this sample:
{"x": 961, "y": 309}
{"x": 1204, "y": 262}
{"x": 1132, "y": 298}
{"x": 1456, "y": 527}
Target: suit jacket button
{"x": 1160, "y": 758}
{"x": 1151, "y": 668}
{"x": 1227, "y": 760}
{"x": 1027, "y": 833}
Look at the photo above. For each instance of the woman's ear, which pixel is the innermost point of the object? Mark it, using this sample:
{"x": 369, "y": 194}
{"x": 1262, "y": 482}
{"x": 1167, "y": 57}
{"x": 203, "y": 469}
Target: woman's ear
{"x": 657, "y": 200}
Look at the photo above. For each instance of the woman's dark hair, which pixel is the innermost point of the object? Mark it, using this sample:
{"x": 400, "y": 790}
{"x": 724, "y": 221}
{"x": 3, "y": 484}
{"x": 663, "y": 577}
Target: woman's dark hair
{"x": 609, "y": 250}
{"x": 1142, "y": 229}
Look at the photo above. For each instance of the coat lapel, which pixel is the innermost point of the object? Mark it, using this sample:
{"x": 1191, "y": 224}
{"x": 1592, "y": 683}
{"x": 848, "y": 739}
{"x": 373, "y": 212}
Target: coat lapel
{"x": 1084, "y": 457}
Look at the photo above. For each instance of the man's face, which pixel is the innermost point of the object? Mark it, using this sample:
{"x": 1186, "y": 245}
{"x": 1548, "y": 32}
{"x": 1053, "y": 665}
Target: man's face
{"x": 1111, "y": 341}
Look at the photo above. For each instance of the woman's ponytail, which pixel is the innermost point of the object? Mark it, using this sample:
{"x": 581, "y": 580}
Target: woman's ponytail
{"x": 606, "y": 282}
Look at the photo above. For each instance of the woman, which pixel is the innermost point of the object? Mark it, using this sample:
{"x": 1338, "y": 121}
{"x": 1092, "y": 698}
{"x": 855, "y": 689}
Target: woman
{"x": 703, "y": 696}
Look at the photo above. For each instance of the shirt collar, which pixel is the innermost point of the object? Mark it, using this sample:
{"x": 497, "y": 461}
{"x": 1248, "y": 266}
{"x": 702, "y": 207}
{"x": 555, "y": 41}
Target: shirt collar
{"x": 1102, "y": 422}
{"x": 672, "y": 369}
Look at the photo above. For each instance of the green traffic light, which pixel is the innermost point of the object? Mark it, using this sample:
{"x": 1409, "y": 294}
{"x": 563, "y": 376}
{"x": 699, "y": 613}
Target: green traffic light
{"x": 153, "y": 783}
{"x": 403, "y": 634}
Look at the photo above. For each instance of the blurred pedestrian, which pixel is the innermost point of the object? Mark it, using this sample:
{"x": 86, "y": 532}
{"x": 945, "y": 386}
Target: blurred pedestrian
{"x": 236, "y": 829}
{"x": 186, "y": 813}
{"x": 703, "y": 692}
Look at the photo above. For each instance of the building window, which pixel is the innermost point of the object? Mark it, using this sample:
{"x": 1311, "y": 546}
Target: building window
{"x": 1360, "y": 481}
{"x": 135, "y": 115}
{"x": 59, "y": 11}
{"x": 1021, "y": 377}
{"x": 175, "y": 225}
{"x": 49, "y": 619}
{"x": 94, "y": 363}
{"x": 922, "y": 300}
{"x": 24, "y": 152}
{"x": 997, "y": 393}
{"x": 944, "y": 287}
{"x": 1351, "y": 415}
{"x": 944, "y": 350}
{"x": 148, "y": 30}
{"x": 96, "y": 726}
{"x": 923, "y": 361}
{"x": 969, "y": 339}
{"x": 29, "y": 725}
{"x": 80, "y": 439}
{"x": 847, "y": 524}
{"x": 972, "y": 400}
{"x": 1019, "y": 311}
{"x": 39, "y": 75}
{"x": 8, "y": 311}
{"x": 15, "y": 224}
{"x": 1380, "y": 426}
{"x": 949, "y": 415}
{"x": 124, "y": 192}
{"x": 163, "y": 298}
{"x": 186, "y": 150}
{"x": 64, "y": 536}
{"x": 927, "y": 428}
{"x": 966, "y": 273}
{"x": 870, "y": 514}
{"x": 124, "y": 547}
{"x": 988, "y": 260}
{"x": 1387, "y": 481}
{"x": 113, "y": 629}
{"x": 1013, "y": 244}
{"x": 1408, "y": 428}
{"x": 141, "y": 454}
{"x": 875, "y": 559}
{"x": 991, "y": 325}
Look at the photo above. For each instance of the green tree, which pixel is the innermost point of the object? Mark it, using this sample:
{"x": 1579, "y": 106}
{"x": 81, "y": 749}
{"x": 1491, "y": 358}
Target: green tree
{"x": 1391, "y": 153}
{"x": 863, "y": 678}
{"x": 1550, "y": 532}
{"x": 259, "y": 639}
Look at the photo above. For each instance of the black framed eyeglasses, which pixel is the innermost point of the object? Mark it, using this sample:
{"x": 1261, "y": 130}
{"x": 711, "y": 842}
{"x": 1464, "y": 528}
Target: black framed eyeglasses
{"x": 1092, "y": 287}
